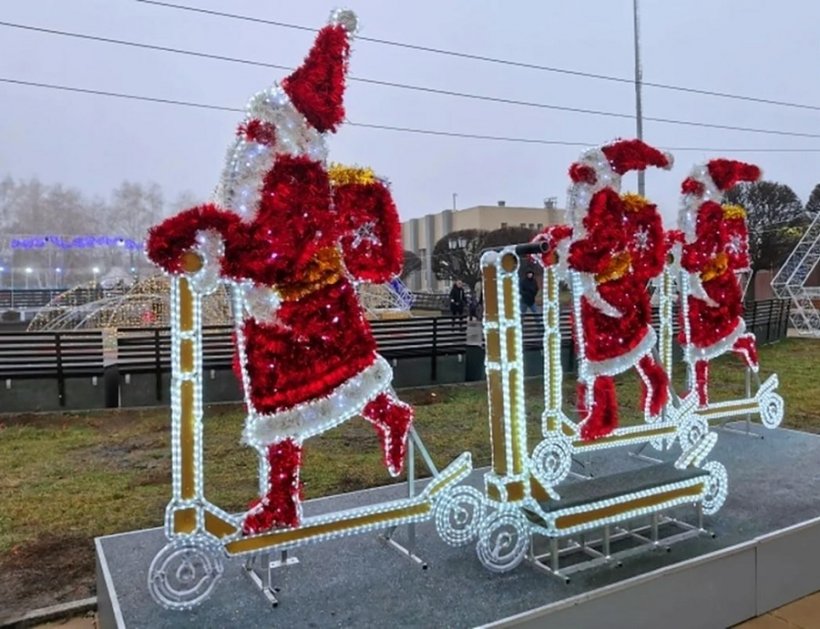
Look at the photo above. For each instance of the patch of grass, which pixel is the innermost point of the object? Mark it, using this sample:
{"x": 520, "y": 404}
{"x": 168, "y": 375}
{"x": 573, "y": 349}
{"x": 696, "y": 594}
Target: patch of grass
{"x": 68, "y": 477}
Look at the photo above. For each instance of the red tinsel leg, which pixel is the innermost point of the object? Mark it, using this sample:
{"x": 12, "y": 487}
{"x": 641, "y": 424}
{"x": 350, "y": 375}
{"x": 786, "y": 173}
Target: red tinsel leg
{"x": 702, "y": 382}
{"x": 392, "y": 419}
{"x": 746, "y": 348}
{"x": 581, "y": 404}
{"x": 280, "y": 507}
{"x": 655, "y": 386}
{"x": 602, "y": 417}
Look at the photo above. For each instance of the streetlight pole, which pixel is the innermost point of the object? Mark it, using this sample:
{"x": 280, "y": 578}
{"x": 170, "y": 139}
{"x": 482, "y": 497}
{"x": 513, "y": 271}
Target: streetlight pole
{"x": 638, "y": 78}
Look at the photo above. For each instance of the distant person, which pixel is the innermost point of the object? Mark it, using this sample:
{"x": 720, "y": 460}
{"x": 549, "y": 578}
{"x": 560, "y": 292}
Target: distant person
{"x": 473, "y": 307}
{"x": 457, "y": 299}
{"x": 527, "y": 291}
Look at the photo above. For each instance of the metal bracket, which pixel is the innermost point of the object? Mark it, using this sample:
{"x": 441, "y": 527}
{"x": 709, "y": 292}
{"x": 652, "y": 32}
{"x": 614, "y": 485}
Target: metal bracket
{"x": 265, "y": 584}
{"x": 407, "y": 551}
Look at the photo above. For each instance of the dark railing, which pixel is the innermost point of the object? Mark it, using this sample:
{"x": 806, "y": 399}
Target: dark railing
{"x": 60, "y": 355}
{"x": 66, "y": 355}
{"x": 148, "y": 350}
{"x": 431, "y": 301}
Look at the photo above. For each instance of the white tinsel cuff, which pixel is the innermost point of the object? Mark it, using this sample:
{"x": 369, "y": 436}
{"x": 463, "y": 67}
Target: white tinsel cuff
{"x": 590, "y": 291}
{"x": 210, "y": 248}
{"x": 624, "y": 362}
{"x": 697, "y": 290}
{"x": 261, "y": 302}
{"x": 316, "y": 416}
{"x": 693, "y": 354}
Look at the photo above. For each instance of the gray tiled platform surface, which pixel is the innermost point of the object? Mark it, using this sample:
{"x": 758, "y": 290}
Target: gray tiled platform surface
{"x": 360, "y": 582}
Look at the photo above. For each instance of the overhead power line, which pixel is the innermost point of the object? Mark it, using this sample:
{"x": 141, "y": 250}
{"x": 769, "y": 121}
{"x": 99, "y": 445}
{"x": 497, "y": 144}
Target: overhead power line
{"x": 494, "y": 60}
{"x": 452, "y": 134}
{"x": 417, "y": 88}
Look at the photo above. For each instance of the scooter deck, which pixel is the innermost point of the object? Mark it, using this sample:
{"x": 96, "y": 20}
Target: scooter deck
{"x": 358, "y": 520}
{"x": 618, "y": 497}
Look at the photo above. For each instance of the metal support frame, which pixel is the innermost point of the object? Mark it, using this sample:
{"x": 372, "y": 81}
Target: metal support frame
{"x": 599, "y": 549}
{"x": 638, "y": 454}
{"x": 387, "y": 537}
{"x": 724, "y": 425}
{"x": 265, "y": 581}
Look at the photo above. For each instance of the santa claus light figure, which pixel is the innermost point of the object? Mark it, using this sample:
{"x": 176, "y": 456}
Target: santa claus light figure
{"x": 614, "y": 246}
{"x": 715, "y": 247}
{"x": 293, "y": 236}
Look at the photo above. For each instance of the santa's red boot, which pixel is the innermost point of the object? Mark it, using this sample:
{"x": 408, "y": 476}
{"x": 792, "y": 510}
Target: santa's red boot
{"x": 602, "y": 417}
{"x": 746, "y": 348}
{"x": 702, "y": 382}
{"x": 654, "y": 386}
{"x": 392, "y": 419}
{"x": 281, "y": 506}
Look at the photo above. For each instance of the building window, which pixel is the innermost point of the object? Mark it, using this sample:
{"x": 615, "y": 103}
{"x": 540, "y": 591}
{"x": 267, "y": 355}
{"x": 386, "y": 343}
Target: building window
{"x": 540, "y": 226}
{"x": 532, "y": 226}
{"x": 503, "y": 225}
{"x": 524, "y": 225}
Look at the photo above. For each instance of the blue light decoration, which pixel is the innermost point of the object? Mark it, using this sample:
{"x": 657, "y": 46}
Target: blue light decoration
{"x": 75, "y": 242}
{"x": 403, "y": 294}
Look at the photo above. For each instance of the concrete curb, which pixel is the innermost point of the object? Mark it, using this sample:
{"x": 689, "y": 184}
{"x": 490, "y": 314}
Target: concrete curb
{"x": 49, "y": 614}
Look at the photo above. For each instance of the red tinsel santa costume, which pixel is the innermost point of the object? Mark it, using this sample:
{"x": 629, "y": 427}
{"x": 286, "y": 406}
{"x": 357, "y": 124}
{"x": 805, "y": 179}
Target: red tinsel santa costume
{"x": 617, "y": 246}
{"x": 715, "y": 247}
{"x": 294, "y": 238}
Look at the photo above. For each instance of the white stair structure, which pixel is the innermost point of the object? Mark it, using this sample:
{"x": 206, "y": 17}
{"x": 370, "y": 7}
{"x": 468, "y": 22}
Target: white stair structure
{"x": 790, "y": 282}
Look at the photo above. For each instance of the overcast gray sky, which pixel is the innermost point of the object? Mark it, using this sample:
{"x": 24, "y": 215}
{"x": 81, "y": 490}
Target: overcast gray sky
{"x": 753, "y": 47}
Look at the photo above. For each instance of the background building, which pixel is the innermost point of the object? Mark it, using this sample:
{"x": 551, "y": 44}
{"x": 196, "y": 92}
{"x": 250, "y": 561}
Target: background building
{"x": 420, "y": 235}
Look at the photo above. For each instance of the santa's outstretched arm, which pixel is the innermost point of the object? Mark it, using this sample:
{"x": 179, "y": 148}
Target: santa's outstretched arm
{"x": 204, "y": 229}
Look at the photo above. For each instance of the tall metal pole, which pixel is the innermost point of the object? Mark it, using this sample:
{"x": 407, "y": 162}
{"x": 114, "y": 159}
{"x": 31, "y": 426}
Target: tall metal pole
{"x": 638, "y": 105}
{"x": 454, "y": 201}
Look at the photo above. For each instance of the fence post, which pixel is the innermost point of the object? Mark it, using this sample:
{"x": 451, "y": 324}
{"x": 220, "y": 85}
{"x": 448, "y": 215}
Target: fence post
{"x": 58, "y": 349}
{"x": 769, "y": 322}
{"x": 787, "y": 306}
{"x": 157, "y": 365}
{"x": 434, "y": 352}
{"x": 754, "y": 320}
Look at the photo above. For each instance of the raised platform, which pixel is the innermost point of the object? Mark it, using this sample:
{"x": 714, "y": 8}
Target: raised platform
{"x": 767, "y": 553}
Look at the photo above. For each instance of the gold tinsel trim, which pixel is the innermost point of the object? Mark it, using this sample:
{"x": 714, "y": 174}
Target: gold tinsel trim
{"x": 617, "y": 268}
{"x": 733, "y": 211}
{"x": 633, "y": 202}
{"x": 341, "y": 175}
{"x": 323, "y": 270}
{"x": 715, "y": 267}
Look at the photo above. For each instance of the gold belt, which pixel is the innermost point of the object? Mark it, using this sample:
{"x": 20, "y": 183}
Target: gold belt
{"x": 324, "y": 269}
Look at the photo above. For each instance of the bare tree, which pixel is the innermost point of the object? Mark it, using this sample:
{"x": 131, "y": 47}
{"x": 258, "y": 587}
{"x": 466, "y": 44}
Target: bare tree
{"x": 776, "y": 220}
{"x": 184, "y": 201}
{"x": 134, "y": 208}
{"x": 47, "y": 214}
{"x": 457, "y": 256}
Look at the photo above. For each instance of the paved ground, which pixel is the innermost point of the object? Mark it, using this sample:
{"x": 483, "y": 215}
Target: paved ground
{"x": 801, "y": 614}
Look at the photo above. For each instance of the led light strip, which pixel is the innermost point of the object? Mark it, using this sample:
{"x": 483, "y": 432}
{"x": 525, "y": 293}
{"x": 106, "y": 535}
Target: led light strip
{"x": 552, "y": 529}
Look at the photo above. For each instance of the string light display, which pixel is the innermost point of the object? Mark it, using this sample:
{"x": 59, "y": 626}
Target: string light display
{"x": 712, "y": 249}
{"x": 74, "y": 242}
{"x": 291, "y": 238}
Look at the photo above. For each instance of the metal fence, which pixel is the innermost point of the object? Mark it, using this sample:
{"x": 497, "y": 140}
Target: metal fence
{"x": 61, "y": 356}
